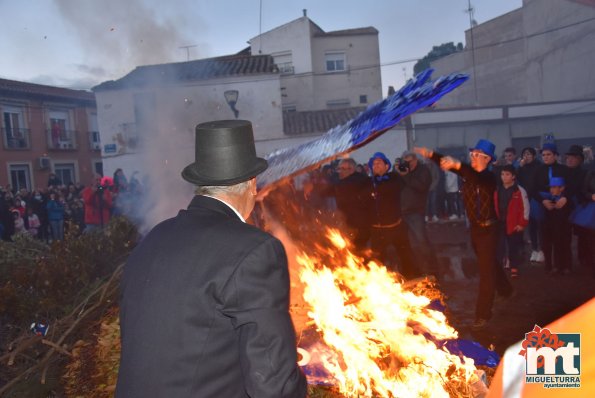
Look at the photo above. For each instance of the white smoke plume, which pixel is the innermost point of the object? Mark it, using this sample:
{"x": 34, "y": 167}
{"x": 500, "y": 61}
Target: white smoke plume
{"x": 119, "y": 35}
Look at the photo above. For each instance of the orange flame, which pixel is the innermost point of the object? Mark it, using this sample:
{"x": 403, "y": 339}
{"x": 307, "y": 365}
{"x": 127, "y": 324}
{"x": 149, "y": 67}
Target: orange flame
{"x": 376, "y": 328}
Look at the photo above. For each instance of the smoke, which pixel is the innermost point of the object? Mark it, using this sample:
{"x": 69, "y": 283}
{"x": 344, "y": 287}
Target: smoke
{"x": 116, "y": 36}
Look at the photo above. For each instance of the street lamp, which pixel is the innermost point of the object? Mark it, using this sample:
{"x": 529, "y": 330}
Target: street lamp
{"x": 231, "y": 97}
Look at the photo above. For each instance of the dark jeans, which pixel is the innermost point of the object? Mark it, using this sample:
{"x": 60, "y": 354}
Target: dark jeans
{"x": 420, "y": 243}
{"x": 359, "y": 236}
{"x": 491, "y": 276}
{"x": 431, "y": 208}
{"x": 453, "y": 204}
{"x": 556, "y": 240}
{"x": 534, "y": 234}
{"x": 57, "y": 227}
{"x": 397, "y": 236}
{"x": 510, "y": 246}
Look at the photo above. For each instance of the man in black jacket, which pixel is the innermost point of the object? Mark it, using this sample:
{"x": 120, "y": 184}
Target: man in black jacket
{"x": 479, "y": 184}
{"x": 388, "y": 226}
{"x": 541, "y": 182}
{"x": 205, "y": 296}
{"x": 577, "y": 178}
{"x": 526, "y": 179}
{"x": 414, "y": 196}
{"x": 353, "y": 201}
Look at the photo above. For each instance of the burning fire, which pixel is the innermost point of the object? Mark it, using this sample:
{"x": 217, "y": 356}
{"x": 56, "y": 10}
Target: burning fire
{"x": 383, "y": 340}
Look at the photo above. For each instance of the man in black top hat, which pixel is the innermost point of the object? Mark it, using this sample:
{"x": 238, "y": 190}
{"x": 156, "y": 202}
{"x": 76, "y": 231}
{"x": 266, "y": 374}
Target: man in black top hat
{"x": 478, "y": 195}
{"x": 205, "y": 296}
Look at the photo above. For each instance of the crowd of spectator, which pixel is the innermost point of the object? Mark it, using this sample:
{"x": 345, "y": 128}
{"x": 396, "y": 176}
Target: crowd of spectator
{"x": 48, "y": 213}
{"x": 524, "y": 185}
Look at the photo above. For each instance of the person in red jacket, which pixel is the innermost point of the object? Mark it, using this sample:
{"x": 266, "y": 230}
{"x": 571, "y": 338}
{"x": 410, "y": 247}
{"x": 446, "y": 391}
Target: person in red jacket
{"x": 512, "y": 207}
{"x": 98, "y": 203}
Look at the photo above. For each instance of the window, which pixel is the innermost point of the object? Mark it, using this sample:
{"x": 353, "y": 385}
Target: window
{"x": 336, "y": 104}
{"x": 15, "y": 135}
{"x": 60, "y": 135}
{"x": 98, "y": 167}
{"x": 335, "y": 62}
{"x": 363, "y": 99}
{"x": 65, "y": 172}
{"x": 284, "y": 62}
{"x": 20, "y": 176}
{"x": 94, "y": 141}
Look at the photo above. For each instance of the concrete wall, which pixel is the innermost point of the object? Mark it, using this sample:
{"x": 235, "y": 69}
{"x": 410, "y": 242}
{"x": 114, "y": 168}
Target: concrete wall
{"x": 538, "y": 53}
{"x": 293, "y": 36}
{"x": 309, "y": 87}
{"x": 362, "y": 76}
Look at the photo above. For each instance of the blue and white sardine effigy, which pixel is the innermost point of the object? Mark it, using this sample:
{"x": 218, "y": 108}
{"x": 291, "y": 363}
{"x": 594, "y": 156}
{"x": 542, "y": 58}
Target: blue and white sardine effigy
{"x": 416, "y": 94}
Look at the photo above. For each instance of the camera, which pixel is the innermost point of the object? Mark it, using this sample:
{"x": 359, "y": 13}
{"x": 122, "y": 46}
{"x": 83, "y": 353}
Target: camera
{"x": 403, "y": 166}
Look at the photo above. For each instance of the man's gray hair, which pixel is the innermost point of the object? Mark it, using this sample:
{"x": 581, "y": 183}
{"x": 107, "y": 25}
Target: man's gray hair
{"x": 218, "y": 190}
{"x": 349, "y": 161}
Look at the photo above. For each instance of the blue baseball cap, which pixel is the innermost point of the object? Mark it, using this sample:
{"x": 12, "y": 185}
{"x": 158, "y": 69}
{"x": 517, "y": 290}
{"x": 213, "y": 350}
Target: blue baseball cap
{"x": 557, "y": 182}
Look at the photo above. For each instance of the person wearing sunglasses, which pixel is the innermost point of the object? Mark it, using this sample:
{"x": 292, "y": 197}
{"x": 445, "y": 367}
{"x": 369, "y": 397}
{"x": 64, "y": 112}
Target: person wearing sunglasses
{"x": 479, "y": 185}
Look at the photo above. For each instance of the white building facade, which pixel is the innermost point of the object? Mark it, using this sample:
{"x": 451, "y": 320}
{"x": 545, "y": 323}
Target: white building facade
{"x": 323, "y": 70}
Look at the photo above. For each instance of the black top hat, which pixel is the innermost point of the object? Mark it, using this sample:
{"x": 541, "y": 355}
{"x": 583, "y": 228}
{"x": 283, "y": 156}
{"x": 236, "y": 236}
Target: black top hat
{"x": 576, "y": 150}
{"x": 225, "y": 154}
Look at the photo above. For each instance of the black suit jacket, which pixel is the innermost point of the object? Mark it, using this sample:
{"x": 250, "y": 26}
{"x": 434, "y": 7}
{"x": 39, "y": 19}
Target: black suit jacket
{"x": 204, "y": 311}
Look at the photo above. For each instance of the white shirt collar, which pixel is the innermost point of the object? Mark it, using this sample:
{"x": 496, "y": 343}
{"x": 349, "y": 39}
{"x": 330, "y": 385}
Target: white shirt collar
{"x": 228, "y": 205}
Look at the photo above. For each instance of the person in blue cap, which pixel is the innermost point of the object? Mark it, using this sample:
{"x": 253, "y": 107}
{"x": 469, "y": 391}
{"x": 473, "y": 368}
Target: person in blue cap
{"x": 557, "y": 231}
{"x": 388, "y": 226}
{"x": 479, "y": 185}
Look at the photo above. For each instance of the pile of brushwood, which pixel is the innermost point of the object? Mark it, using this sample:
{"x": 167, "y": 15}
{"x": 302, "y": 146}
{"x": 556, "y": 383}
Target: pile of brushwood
{"x": 70, "y": 289}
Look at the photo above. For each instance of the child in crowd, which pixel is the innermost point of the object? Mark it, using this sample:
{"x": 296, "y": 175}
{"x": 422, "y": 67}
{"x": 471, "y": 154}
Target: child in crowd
{"x": 557, "y": 228}
{"x": 512, "y": 207}
{"x": 19, "y": 223}
{"x": 34, "y": 222}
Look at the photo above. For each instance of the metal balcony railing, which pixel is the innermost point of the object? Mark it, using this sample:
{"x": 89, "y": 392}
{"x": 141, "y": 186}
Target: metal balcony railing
{"x": 62, "y": 140}
{"x": 286, "y": 69}
{"x": 16, "y": 139}
{"x": 94, "y": 141}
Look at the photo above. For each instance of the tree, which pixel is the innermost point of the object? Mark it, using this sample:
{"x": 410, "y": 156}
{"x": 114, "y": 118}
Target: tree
{"x": 437, "y": 52}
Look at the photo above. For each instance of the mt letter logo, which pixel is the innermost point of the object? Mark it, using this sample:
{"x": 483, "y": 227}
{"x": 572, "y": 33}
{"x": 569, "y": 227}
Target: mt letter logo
{"x": 552, "y": 359}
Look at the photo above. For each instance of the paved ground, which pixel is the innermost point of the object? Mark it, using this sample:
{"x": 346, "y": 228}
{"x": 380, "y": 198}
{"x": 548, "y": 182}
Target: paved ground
{"x": 540, "y": 298}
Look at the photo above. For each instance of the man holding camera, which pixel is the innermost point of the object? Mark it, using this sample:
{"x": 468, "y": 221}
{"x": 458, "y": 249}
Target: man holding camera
{"x": 417, "y": 179}
{"x": 98, "y": 203}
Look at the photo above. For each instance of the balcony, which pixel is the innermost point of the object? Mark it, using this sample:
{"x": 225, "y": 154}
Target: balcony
{"x": 16, "y": 139}
{"x": 286, "y": 68}
{"x": 94, "y": 141}
{"x": 62, "y": 140}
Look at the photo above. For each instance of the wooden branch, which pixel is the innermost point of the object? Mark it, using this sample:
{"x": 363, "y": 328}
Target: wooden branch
{"x": 57, "y": 347}
{"x": 104, "y": 290}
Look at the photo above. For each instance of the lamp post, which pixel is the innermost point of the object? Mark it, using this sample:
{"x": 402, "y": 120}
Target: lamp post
{"x": 231, "y": 97}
